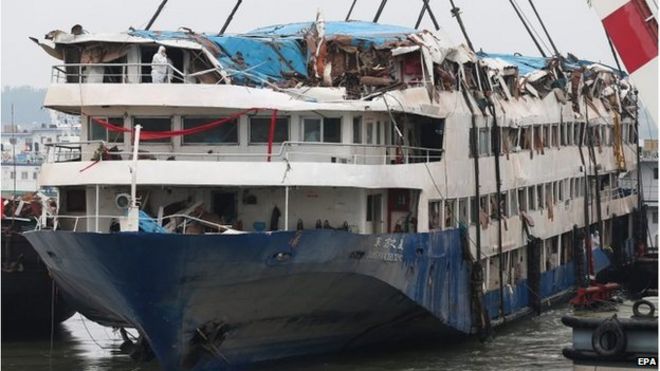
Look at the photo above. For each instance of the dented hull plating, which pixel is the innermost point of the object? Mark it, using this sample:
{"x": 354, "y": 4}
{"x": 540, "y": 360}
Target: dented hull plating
{"x": 273, "y": 295}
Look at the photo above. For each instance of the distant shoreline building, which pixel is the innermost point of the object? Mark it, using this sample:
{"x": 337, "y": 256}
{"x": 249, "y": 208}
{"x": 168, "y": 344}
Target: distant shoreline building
{"x": 23, "y": 151}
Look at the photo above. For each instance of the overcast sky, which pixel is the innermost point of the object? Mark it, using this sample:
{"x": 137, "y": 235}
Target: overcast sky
{"x": 491, "y": 24}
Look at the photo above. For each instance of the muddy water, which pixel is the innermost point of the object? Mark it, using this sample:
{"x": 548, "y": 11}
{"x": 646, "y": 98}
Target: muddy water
{"x": 528, "y": 344}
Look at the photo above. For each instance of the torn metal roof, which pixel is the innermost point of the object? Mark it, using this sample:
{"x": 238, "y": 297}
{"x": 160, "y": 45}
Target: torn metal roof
{"x": 275, "y": 53}
{"x": 527, "y": 65}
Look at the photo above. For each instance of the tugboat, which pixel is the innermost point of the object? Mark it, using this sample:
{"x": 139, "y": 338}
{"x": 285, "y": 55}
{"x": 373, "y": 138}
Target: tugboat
{"x": 320, "y": 186}
{"x": 31, "y": 302}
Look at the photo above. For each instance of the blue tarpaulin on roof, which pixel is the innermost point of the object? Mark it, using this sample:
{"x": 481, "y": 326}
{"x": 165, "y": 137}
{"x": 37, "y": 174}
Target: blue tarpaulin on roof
{"x": 268, "y": 54}
{"x": 273, "y": 53}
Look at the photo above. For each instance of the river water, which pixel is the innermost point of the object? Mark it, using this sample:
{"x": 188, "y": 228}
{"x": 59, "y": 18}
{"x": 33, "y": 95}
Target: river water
{"x": 527, "y": 344}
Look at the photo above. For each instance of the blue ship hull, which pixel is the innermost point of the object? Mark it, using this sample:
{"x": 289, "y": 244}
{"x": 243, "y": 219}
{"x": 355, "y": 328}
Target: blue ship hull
{"x": 273, "y": 295}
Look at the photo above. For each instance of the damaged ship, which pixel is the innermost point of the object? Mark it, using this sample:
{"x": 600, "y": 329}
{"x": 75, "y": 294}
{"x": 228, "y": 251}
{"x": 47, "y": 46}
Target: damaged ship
{"x": 321, "y": 186}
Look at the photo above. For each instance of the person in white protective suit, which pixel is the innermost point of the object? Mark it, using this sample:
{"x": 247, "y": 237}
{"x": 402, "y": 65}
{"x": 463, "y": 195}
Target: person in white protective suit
{"x": 159, "y": 66}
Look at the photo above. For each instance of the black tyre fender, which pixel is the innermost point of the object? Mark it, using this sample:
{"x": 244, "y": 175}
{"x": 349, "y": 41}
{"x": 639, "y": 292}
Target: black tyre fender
{"x": 640, "y": 303}
{"x": 607, "y": 331}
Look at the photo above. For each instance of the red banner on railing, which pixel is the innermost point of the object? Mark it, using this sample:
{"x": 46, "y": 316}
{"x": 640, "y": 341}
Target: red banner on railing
{"x": 155, "y": 135}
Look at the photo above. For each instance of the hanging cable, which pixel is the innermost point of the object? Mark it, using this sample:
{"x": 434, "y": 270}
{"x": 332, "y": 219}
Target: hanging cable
{"x": 350, "y": 11}
{"x": 538, "y": 46}
{"x": 426, "y": 7}
{"x": 456, "y": 12}
{"x": 153, "y": 18}
{"x": 380, "y": 10}
{"x": 616, "y": 58}
{"x": 545, "y": 46}
{"x": 547, "y": 34}
{"x": 230, "y": 17}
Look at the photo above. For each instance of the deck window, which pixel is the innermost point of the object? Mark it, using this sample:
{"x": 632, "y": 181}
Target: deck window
{"x": 434, "y": 215}
{"x": 357, "y": 129}
{"x": 325, "y": 129}
{"x": 331, "y": 130}
{"x": 75, "y": 200}
{"x": 463, "y": 211}
{"x": 474, "y": 211}
{"x": 154, "y": 124}
{"x": 97, "y": 132}
{"x": 226, "y": 133}
{"x": 484, "y": 142}
{"x": 514, "y": 208}
{"x": 259, "y": 127}
{"x": 522, "y": 199}
{"x": 531, "y": 197}
{"x": 450, "y": 213}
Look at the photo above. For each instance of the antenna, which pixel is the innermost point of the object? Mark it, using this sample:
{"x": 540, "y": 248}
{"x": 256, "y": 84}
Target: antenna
{"x": 547, "y": 34}
{"x": 230, "y": 17}
{"x": 456, "y": 12}
{"x": 538, "y": 46}
{"x": 348, "y": 16}
{"x": 380, "y": 10}
{"x": 153, "y": 19}
{"x": 427, "y": 7}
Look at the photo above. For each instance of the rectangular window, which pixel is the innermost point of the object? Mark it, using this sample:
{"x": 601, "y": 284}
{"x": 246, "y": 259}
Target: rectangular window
{"x": 563, "y": 134}
{"x": 226, "y": 133}
{"x": 35, "y": 175}
{"x": 24, "y": 175}
{"x": 75, "y": 200}
{"x": 522, "y": 199}
{"x": 546, "y": 136}
{"x": 655, "y": 173}
{"x": 326, "y": 130}
{"x": 12, "y": 175}
{"x": 526, "y": 138}
{"x": 474, "y": 211}
{"x": 569, "y": 133}
{"x": 450, "y": 213}
{"x": 531, "y": 197}
{"x": 357, "y": 129}
{"x": 331, "y": 130}
{"x": 484, "y": 142}
{"x": 463, "y": 211}
{"x": 540, "y": 196}
{"x": 154, "y": 124}
{"x": 555, "y": 135}
{"x": 434, "y": 215}
{"x": 311, "y": 130}
{"x": 484, "y": 206}
{"x": 654, "y": 217}
{"x": 97, "y": 132}
{"x": 260, "y": 126}
{"x": 378, "y": 131}
{"x": 514, "y": 208}
{"x": 370, "y": 133}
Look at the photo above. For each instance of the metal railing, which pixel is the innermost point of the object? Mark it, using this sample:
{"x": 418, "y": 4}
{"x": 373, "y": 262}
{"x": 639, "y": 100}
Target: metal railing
{"x": 294, "y": 151}
{"x": 187, "y": 220}
{"x": 121, "y": 73}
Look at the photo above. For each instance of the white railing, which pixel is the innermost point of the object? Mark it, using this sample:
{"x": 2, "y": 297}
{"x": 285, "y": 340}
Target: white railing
{"x": 288, "y": 151}
{"x": 120, "y": 73}
{"x": 187, "y": 220}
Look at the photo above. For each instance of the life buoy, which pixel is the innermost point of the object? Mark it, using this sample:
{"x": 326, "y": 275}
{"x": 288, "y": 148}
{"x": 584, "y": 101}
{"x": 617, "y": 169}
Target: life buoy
{"x": 639, "y": 303}
{"x": 609, "y": 339}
